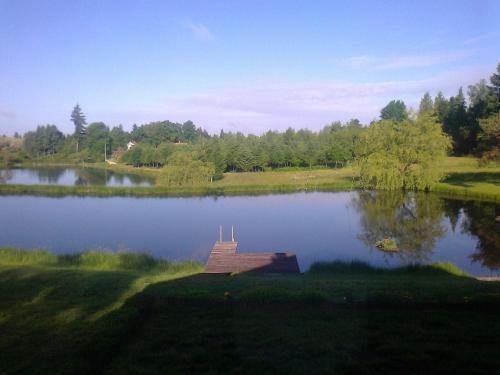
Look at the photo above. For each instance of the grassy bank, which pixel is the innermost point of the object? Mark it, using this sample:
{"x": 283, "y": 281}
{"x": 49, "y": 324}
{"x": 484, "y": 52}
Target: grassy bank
{"x": 464, "y": 178}
{"x": 99, "y": 316}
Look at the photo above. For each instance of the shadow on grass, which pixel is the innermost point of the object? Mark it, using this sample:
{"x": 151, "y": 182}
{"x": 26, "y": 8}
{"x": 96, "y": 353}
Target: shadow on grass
{"x": 329, "y": 319}
{"x": 249, "y": 323}
{"x": 439, "y": 269}
{"x": 468, "y": 179}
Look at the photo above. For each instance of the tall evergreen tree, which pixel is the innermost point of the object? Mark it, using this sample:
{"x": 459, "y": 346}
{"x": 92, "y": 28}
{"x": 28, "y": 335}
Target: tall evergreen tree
{"x": 426, "y": 105}
{"x": 78, "y": 118}
{"x": 495, "y": 85}
{"x": 441, "y": 106}
{"x": 495, "y": 80}
{"x": 458, "y": 125}
{"x": 483, "y": 100}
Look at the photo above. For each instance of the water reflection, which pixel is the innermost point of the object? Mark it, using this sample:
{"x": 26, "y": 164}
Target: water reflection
{"x": 49, "y": 175}
{"x": 316, "y": 226}
{"x": 413, "y": 220}
{"x": 72, "y": 176}
{"x": 480, "y": 221}
{"x": 5, "y": 175}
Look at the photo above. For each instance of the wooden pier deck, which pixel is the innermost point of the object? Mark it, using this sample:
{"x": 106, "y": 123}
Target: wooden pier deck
{"x": 225, "y": 259}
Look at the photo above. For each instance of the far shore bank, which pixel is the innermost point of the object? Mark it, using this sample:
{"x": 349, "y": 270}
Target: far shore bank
{"x": 465, "y": 179}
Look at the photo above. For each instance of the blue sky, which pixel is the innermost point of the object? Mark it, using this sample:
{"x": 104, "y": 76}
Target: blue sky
{"x": 238, "y": 65}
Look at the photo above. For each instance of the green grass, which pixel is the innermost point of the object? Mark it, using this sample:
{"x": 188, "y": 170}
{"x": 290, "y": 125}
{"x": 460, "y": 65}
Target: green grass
{"x": 94, "y": 259}
{"x": 12, "y": 256}
{"x": 362, "y": 268}
{"x": 464, "y": 178}
{"x": 78, "y": 316}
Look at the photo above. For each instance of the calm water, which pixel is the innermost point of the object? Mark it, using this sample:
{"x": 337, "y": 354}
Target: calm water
{"x": 71, "y": 176}
{"x": 316, "y": 226}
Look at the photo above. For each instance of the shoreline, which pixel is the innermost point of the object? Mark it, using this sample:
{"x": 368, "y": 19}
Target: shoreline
{"x": 466, "y": 180}
{"x": 214, "y": 191}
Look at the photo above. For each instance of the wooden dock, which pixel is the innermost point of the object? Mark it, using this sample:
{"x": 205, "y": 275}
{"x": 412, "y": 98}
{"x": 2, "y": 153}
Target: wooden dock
{"x": 225, "y": 259}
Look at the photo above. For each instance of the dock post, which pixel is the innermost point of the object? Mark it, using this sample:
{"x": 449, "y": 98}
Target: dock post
{"x": 232, "y": 233}
{"x": 220, "y": 233}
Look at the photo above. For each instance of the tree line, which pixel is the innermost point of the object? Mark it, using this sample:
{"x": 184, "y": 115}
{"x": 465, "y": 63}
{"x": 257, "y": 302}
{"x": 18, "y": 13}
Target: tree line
{"x": 471, "y": 125}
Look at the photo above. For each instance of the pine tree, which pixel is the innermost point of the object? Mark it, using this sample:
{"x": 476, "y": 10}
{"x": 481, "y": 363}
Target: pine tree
{"x": 78, "y": 118}
{"x": 495, "y": 82}
{"x": 426, "y": 105}
{"x": 458, "y": 125}
{"x": 483, "y": 100}
{"x": 441, "y": 106}
{"x": 495, "y": 79}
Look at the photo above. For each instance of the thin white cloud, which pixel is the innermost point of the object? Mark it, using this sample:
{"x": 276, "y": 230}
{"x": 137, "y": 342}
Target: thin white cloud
{"x": 425, "y": 60}
{"x": 200, "y": 31}
{"x": 406, "y": 61}
{"x": 277, "y": 105}
{"x": 358, "y": 61}
{"x": 479, "y": 38}
{"x": 7, "y": 114}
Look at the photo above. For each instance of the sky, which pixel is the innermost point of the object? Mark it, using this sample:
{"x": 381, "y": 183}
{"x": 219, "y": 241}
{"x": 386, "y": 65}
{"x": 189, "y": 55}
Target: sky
{"x": 245, "y": 66}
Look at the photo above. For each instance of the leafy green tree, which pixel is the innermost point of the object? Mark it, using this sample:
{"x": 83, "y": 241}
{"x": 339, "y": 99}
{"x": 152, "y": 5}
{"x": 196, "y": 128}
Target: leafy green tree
{"x": 78, "y": 119}
{"x": 245, "y": 160}
{"x": 353, "y": 123}
{"x": 164, "y": 150}
{"x": 489, "y": 139}
{"x": 133, "y": 156}
{"x": 183, "y": 168}
{"x": 119, "y": 137}
{"x": 188, "y": 131}
{"x": 395, "y": 110}
{"x": 45, "y": 140}
{"x": 98, "y": 141}
{"x": 403, "y": 154}
{"x": 149, "y": 155}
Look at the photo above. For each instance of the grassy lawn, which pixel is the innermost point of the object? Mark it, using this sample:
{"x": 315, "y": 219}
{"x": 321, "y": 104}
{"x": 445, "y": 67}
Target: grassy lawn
{"x": 83, "y": 315}
{"x": 465, "y": 177}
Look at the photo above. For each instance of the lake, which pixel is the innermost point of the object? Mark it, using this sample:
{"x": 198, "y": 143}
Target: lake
{"x": 71, "y": 176}
{"x": 316, "y": 226}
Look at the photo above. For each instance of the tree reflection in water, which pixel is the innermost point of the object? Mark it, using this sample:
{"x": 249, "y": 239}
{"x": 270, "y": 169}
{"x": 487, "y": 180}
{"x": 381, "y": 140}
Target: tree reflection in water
{"x": 479, "y": 219}
{"x": 94, "y": 176}
{"x": 5, "y": 175}
{"x": 50, "y": 175}
{"x": 413, "y": 220}
{"x": 90, "y": 176}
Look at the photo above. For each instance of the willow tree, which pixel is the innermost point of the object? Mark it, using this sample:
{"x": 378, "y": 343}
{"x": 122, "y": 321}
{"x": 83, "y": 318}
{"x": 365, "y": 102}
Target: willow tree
{"x": 183, "y": 168}
{"x": 404, "y": 154}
